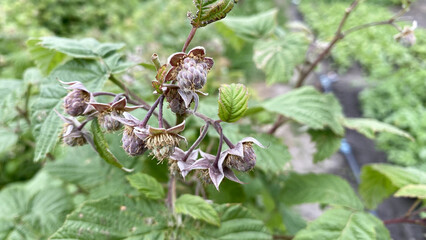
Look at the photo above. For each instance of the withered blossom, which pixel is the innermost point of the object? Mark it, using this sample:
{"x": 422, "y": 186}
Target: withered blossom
{"x": 132, "y": 144}
{"x": 407, "y": 37}
{"x": 178, "y": 158}
{"x": 209, "y": 171}
{"x": 108, "y": 112}
{"x": 76, "y": 101}
{"x": 72, "y": 135}
{"x": 161, "y": 141}
{"x": 242, "y": 157}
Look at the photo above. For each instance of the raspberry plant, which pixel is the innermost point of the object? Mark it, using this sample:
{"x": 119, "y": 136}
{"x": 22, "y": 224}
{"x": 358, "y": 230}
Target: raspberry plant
{"x": 155, "y": 182}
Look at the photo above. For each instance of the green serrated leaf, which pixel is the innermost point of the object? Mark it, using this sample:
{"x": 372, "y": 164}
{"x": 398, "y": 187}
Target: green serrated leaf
{"x": 320, "y": 188}
{"x": 116, "y": 217}
{"x": 209, "y": 11}
{"x": 102, "y": 147}
{"x": 49, "y": 52}
{"x": 251, "y": 27}
{"x": 233, "y": 101}
{"x": 310, "y": 107}
{"x": 369, "y": 127}
{"x": 147, "y": 185}
{"x": 197, "y": 208}
{"x": 326, "y": 143}
{"x": 412, "y": 191}
{"x": 46, "y": 124}
{"x": 344, "y": 224}
{"x": 279, "y": 57}
{"x": 379, "y": 181}
{"x": 236, "y": 223}
{"x": 32, "y": 215}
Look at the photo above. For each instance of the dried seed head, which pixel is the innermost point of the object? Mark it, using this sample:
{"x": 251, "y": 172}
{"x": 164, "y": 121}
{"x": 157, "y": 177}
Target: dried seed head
{"x": 176, "y": 103}
{"x": 72, "y": 137}
{"x": 407, "y": 37}
{"x": 133, "y": 145}
{"x": 162, "y": 145}
{"x": 75, "y": 103}
{"x": 245, "y": 163}
{"x": 204, "y": 176}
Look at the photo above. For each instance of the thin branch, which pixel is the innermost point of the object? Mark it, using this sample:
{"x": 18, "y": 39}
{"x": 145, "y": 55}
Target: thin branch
{"x": 189, "y": 39}
{"x": 219, "y": 149}
{"x": 410, "y": 211}
{"x": 95, "y": 94}
{"x": 421, "y": 222}
{"x": 151, "y": 111}
{"x": 160, "y": 112}
{"x": 197, "y": 142}
{"x": 128, "y": 91}
{"x": 171, "y": 194}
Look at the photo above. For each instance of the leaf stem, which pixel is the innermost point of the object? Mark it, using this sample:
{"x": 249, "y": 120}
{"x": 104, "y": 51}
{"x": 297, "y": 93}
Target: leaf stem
{"x": 171, "y": 193}
{"x": 219, "y": 149}
{"x": 189, "y": 38}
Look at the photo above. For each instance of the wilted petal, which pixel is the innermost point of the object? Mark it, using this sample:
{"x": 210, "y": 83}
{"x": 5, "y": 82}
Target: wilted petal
{"x": 100, "y": 107}
{"x": 186, "y": 96}
{"x": 74, "y": 85}
{"x": 253, "y": 140}
{"x": 177, "y": 129}
{"x": 120, "y": 104}
{"x": 229, "y": 174}
{"x": 198, "y": 51}
{"x": 209, "y": 62}
{"x": 175, "y": 58}
{"x": 216, "y": 176}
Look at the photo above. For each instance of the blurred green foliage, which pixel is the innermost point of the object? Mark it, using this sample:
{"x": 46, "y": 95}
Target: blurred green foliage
{"x": 396, "y": 73}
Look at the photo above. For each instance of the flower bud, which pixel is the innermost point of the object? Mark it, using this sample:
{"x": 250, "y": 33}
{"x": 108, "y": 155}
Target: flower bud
{"x": 407, "y": 37}
{"x": 133, "y": 145}
{"x": 75, "y": 103}
{"x": 192, "y": 75}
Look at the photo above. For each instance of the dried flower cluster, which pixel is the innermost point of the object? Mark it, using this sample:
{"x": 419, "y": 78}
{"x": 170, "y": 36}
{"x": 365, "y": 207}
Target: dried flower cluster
{"x": 180, "y": 86}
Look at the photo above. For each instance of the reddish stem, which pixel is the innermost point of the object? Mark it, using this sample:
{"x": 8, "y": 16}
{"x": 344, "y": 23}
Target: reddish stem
{"x": 189, "y": 39}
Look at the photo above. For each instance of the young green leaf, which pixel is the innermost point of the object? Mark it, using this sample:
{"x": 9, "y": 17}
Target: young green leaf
{"x": 146, "y": 185}
{"x": 251, "y": 27}
{"x": 369, "y": 127}
{"x": 379, "y": 181}
{"x": 197, "y": 208}
{"x": 116, "y": 217}
{"x": 233, "y": 100}
{"x": 102, "y": 147}
{"x": 326, "y": 142}
{"x": 310, "y": 107}
{"x": 345, "y": 225}
{"x": 412, "y": 191}
{"x": 209, "y": 11}
{"x": 279, "y": 57}
{"x": 321, "y": 188}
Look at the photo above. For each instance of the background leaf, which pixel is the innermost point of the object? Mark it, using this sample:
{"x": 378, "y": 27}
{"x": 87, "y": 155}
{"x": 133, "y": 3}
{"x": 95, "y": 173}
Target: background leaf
{"x": 412, "y": 191}
{"x": 197, "y": 208}
{"x": 279, "y": 57}
{"x": 115, "y": 217}
{"x": 233, "y": 100}
{"x": 320, "y": 188}
{"x": 326, "y": 142}
{"x": 251, "y": 27}
{"x": 369, "y": 127}
{"x": 379, "y": 181}
{"x": 147, "y": 185}
{"x": 344, "y": 225}
{"x": 310, "y": 107}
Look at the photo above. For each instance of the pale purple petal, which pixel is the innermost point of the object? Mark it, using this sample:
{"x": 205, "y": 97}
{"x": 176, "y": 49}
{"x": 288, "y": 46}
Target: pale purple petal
{"x": 100, "y": 107}
{"x": 216, "y": 176}
{"x": 119, "y": 105}
{"x": 186, "y": 96}
{"x": 253, "y": 140}
{"x": 229, "y": 174}
{"x": 238, "y": 150}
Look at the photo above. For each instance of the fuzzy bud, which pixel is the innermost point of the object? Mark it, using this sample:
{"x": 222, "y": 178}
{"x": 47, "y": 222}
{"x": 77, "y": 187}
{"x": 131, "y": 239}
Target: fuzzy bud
{"x": 193, "y": 74}
{"x": 133, "y": 145}
{"x": 176, "y": 103}
{"x": 75, "y": 103}
{"x": 108, "y": 122}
